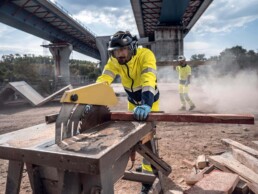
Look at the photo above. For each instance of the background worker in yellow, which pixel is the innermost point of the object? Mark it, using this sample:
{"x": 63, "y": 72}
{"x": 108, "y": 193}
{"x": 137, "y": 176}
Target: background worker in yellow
{"x": 184, "y": 74}
{"x": 137, "y": 69}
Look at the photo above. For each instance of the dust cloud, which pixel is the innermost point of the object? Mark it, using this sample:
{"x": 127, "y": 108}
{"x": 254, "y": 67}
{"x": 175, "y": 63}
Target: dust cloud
{"x": 229, "y": 93}
{"x": 212, "y": 90}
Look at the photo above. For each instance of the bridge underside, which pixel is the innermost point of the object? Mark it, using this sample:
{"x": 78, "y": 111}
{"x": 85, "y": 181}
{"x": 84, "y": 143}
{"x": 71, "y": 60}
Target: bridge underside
{"x": 166, "y": 23}
{"x": 44, "y": 20}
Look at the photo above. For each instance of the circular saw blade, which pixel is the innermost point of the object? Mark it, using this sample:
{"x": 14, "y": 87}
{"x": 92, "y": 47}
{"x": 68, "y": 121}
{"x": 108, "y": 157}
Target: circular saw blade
{"x": 94, "y": 115}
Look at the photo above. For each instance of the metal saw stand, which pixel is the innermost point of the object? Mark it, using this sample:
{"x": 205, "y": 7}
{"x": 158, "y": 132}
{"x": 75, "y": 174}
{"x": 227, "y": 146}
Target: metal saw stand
{"x": 90, "y": 163}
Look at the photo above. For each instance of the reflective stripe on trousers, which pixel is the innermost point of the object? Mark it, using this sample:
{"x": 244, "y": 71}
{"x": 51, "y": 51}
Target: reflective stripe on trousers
{"x": 146, "y": 167}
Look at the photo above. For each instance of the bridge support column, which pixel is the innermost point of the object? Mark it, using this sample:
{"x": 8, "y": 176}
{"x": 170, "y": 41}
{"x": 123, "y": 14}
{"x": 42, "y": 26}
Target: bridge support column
{"x": 61, "y": 53}
{"x": 102, "y": 45}
{"x": 168, "y": 44}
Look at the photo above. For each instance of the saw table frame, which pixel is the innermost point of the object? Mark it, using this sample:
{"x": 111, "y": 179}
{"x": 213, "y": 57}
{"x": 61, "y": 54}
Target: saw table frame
{"x": 70, "y": 171}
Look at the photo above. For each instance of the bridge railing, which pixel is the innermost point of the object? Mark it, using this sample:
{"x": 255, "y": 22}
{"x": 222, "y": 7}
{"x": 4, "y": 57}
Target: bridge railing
{"x": 61, "y": 8}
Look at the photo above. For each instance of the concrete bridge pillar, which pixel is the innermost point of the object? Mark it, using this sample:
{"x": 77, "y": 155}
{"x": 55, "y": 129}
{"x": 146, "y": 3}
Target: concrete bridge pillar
{"x": 61, "y": 53}
{"x": 102, "y": 45}
{"x": 168, "y": 44}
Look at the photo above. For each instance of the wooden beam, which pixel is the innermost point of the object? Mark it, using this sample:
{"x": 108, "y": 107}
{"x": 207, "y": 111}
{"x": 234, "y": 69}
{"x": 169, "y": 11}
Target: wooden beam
{"x": 139, "y": 177}
{"x": 241, "y": 146}
{"x": 246, "y": 159}
{"x": 227, "y": 160}
{"x": 167, "y": 117}
{"x": 196, "y": 118}
{"x": 253, "y": 187}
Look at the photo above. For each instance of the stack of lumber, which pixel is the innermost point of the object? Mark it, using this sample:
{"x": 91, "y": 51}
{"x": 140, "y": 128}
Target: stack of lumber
{"x": 234, "y": 172}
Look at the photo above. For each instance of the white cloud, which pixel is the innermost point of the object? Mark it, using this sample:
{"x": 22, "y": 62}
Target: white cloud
{"x": 224, "y": 16}
{"x": 107, "y": 20}
{"x": 199, "y": 47}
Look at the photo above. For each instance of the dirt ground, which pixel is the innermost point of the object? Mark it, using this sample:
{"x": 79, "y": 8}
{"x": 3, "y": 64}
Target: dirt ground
{"x": 178, "y": 140}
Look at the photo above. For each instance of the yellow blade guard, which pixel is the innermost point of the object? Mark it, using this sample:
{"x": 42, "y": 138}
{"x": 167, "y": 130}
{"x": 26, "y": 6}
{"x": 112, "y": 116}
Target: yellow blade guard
{"x": 95, "y": 94}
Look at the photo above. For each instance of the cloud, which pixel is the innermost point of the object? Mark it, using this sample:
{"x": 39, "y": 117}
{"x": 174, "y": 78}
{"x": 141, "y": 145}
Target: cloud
{"x": 107, "y": 20}
{"x": 23, "y": 43}
{"x": 224, "y": 16}
{"x": 201, "y": 47}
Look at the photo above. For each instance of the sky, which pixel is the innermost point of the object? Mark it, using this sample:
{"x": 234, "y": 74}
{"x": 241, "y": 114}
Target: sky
{"x": 226, "y": 23}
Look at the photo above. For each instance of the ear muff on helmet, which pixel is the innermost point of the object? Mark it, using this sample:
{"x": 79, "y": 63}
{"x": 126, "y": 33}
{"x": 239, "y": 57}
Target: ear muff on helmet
{"x": 122, "y": 39}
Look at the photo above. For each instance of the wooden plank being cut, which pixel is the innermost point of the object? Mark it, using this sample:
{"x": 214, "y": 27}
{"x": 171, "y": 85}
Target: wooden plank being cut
{"x": 228, "y": 161}
{"x": 241, "y": 147}
{"x": 216, "y": 182}
{"x": 246, "y": 159}
{"x": 196, "y": 118}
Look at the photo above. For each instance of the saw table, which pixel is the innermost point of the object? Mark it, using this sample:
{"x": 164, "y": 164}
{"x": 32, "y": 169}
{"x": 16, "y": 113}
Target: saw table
{"x": 93, "y": 165}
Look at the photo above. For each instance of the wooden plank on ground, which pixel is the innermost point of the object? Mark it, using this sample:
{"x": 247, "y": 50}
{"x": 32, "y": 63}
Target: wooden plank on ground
{"x": 218, "y": 162}
{"x": 255, "y": 142}
{"x": 246, "y": 159}
{"x": 228, "y": 160}
{"x": 216, "y": 182}
{"x": 253, "y": 187}
{"x": 241, "y": 147}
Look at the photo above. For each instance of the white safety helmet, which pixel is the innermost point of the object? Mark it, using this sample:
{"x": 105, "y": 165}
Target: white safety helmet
{"x": 181, "y": 58}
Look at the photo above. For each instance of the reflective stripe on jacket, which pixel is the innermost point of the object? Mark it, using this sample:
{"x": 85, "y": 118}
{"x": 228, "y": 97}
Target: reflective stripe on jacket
{"x": 138, "y": 77}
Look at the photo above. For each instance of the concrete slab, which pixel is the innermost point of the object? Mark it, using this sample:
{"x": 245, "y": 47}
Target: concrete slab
{"x": 27, "y": 92}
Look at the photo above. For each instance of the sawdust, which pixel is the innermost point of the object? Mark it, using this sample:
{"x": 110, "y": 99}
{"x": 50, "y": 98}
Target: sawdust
{"x": 100, "y": 138}
{"x": 178, "y": 140}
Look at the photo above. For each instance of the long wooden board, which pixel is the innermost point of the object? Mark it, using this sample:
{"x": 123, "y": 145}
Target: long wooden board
{"x": 246, "y": 159}
{"x": 241, "y": 146}
{"x": 196, "y": 118}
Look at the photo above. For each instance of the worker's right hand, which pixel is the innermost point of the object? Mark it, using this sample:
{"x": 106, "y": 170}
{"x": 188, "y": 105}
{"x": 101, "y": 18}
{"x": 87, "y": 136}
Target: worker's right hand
{"x": 141, "y": 112}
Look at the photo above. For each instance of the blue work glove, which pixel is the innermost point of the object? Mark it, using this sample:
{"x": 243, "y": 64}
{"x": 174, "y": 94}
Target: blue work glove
{"x": 141, "y": 112}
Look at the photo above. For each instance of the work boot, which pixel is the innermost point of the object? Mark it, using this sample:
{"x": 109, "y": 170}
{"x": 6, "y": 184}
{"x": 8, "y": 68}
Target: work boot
{"x": 145, "y": 188}
{"x": 182, "y": 108}
{"x": 192, "y": 107}
{"x": 138, "y": 169}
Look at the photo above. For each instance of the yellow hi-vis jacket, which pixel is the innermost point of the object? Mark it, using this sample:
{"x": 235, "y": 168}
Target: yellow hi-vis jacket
{"x": 138, "y": 77}
{"x": 183, "y": 73}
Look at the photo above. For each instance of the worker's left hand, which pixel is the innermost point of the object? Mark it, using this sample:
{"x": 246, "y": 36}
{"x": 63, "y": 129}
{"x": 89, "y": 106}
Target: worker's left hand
{"x": 141, "y": 112}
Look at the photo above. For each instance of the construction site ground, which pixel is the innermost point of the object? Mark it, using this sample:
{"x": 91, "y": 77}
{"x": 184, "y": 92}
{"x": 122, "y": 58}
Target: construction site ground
{"x": 178, "y": 141}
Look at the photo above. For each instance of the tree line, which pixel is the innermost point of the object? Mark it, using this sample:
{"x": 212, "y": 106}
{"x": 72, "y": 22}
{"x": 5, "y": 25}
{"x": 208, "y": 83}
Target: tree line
{"x": 40, "y": 69}
{"x": 229, "y": 62}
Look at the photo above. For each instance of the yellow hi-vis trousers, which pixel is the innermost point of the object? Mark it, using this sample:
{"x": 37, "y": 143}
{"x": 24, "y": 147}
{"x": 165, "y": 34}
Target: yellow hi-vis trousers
{"x": 184, "y": 97}
{"x": 146, "y": 167}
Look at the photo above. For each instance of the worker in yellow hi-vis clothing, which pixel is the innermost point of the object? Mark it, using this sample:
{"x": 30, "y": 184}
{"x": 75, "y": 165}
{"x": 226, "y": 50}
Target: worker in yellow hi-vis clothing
{"x": 184, "y": 74}
{"x": 137, "y": 69}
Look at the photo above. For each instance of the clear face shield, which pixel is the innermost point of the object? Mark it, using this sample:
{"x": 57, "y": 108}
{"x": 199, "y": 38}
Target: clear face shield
{"x": 121, "y": 48}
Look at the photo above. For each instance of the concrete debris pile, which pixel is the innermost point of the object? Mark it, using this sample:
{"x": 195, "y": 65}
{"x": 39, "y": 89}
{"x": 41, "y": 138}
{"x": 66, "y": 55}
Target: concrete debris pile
{"x": 235, "y": 171}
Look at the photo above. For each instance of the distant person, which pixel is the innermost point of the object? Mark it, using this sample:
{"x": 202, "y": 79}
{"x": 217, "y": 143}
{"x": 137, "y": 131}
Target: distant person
{"x": 184, "y": 75}
{"x": 138, "y": 71}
